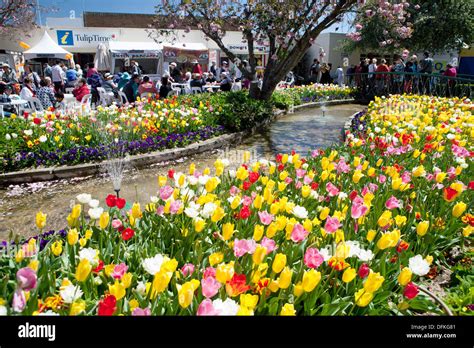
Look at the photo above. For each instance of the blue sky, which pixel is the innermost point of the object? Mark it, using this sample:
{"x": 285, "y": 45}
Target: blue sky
{"x": 62, "y": 8}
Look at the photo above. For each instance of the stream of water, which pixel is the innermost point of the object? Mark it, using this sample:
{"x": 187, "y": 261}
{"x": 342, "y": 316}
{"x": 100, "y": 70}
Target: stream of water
{"x": 301, "y": 131}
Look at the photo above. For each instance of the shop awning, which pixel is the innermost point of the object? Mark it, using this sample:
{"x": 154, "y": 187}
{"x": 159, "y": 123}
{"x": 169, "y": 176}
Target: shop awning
{"x": 46, "y": 48}
{"x": 123, "y": 49}
{"x": 186, "y": 52}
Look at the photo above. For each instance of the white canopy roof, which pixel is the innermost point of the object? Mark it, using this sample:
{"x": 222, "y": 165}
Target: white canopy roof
{"x": 127, "y": 46}
{"x": 193, "y": 46}
{"x": 46, "y": 48}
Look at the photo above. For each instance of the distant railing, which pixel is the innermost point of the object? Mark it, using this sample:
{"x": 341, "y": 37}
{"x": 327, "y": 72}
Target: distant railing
{"x": 369, "y": 85}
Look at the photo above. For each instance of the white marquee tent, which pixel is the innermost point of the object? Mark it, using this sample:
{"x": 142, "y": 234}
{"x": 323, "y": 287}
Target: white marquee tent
{"x": 47, "y": 48}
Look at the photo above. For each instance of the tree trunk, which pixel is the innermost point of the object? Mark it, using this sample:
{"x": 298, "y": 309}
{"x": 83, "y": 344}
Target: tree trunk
{"x": 268, "y": 87}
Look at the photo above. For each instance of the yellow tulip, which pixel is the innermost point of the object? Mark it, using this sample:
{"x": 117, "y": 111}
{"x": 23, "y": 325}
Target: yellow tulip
{"x": 57, "y": 248}
{"x": 218, "y": 214}
{"x": 279, "y": 263}
{"x": 227, "y": 230}
{"x": 385, "y": 218}
{"x": 405, "y": 276}
{"x": 324, "y": 213}
{"x": 199, "y": 225}
{"x": 83, "y": 270}
{"x": 76, "y": 211}
{"x": 161, "y": 282}
{"x": 422, "y": 228}
{"x": 371, "y": 235}
{"x": 259, "y": 255}
{"x": 104, "y": 220}
{"x": 357, "y": 176}
{"x": 72, "y": 236}
{"x": 216, "y": 258}
{"x": 126, "y": 280}
{"x": 284, "y": 280}
{"x": 311, "y": 279}
{"x": 374, "y": 282}
{"x": 272, "y": 229}
{"x": 348, "y": 275}
{"x": 389, "y": 239}
{"x": 118, "y": 290}
{"x": 288, "y": 310}
{"x": 363, "y": 298}
{"x": 186, "y": 293}
{"x": 136, "y": 210}
{"x": 225, "y": 272}
{"x": 77, "y": 307}
{"x": 249, "y": 301}
{"x": 258, "y": 232}
{"x": 459, "y": 209}
{"x": 40, "y": 220}
{"x": 298, "y": 289}
{"x": 257, "y": 203}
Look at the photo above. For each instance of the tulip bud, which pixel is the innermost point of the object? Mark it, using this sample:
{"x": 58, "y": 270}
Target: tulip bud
{"x": 279, "y": 263}
{"x": 459, "y": 209}
{"x": 348, "y": 275}
{"x": 422, "y": 228}
{"x": 284, "y": 280}
{"x": 405, "y": 276}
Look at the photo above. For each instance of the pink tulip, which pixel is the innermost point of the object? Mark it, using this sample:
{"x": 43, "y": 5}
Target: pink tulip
{"x": 187, "y": 269}
{"x": 175, "y": 206}
{"x": 288, "y": 180}
{"x": 312, "y": 258}
{"x": 358, "y": 208}
{"x": 299, "y": 233}
{"x": 269, "y": 244}
{"x": 392, "y": 203}
{"x": 406, "y": 177}
{"x": 209, "y": 272}
{"x": 138, "y": 312}
{"x": 373, "y": 187}
{"x": 26, "y": 278}
{"x": 116, "y": 223}
{"x": 119, "y": 271}
{"x": 166, "y": 192}
{"x": 382, "y": 178}
{"x": 160, "y": 210}
{"x": 244, "y": 246}
{"x": 19, "y": 301}
{"x": 307, "y": 180}
{"x": 206, "y": 308}
{"x": 265, "y": 218}
{"x": 332, "y": 224}
{"x": 332, "y": 190}
{"x": 210, "y": 286}
{"x": 246, "y": 200}
{"x": 300, "y": 173}
{"x": 234, "y": 190}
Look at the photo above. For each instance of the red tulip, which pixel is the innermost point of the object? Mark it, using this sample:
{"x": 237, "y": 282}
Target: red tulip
{"x": 410, "y": 291}
{"x": 107, "y": 306}
{"x": 111, "y": 201}
{"x": 120, "y": 203}
{"x": 128, "y": 233}
{"x": 364, "y": 270}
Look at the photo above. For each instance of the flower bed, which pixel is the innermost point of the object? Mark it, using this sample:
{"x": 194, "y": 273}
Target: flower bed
{"x": 54, "y": 138}
{"x": 350, "y": 230}
{"x": 287, "y": 97}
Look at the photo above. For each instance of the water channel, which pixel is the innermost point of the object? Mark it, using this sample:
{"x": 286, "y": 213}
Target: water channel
{"x": 301, "y": 131}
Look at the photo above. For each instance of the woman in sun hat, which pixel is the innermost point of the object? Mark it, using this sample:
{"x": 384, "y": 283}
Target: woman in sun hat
{"x": 197, "y": 67}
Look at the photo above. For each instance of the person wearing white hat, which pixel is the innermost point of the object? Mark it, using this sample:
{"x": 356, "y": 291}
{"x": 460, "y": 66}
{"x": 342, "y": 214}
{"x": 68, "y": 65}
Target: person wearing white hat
{"x": 197, "y": 69}
{"x": 8, "y": 75}
{"x": 109, "y": 85}
{"x": 174, "y": 73}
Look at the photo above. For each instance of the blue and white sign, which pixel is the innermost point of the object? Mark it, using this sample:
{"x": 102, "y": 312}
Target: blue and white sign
{"x": 65, "y": 38}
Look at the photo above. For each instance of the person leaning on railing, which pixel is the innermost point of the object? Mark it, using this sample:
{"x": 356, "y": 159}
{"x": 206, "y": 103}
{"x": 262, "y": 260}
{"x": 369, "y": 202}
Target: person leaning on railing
{"x": 381, "y": 79}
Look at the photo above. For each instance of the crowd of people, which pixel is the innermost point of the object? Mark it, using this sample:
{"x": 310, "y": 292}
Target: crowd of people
{"x": 411, "y": 75}
{"x": 323, "y": 73}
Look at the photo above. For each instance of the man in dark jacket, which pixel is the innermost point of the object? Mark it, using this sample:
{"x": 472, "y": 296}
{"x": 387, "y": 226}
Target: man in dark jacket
{"x": 131, "y": 88}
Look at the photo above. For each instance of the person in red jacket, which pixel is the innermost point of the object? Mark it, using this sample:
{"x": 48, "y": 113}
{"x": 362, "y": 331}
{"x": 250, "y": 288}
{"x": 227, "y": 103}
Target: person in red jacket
{"x": 81, "y": 89}
{"x": 381, "y": 79}
{"x": 196, "y": 68}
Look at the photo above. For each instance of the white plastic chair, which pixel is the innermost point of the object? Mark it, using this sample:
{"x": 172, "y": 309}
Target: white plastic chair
{"x": 196, "y": 90}
{"x": 2, "y": 114}
{"x": 86, "y": 99}
{"x": 35, "y": 104}
{"x": 173, "y": 92}
{"x": 105, "y": 98}
{"x": 236, "y": 86}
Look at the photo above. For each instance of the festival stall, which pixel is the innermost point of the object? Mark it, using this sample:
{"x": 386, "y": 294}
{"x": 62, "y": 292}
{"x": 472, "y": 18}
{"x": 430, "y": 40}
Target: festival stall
{"x": 147, "y": 54}
{"x": 184, "y": 54}
{"x": 47, "y": 48}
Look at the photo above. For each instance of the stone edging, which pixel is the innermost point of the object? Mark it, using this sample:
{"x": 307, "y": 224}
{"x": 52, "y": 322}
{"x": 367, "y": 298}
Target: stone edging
{"x": 143, "y": 160}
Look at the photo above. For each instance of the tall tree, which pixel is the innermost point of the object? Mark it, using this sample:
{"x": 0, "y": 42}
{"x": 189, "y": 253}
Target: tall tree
{"x": 17, "y": 17}
{"x": 288, "y": 27}
{"x": 434, "y": 25}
